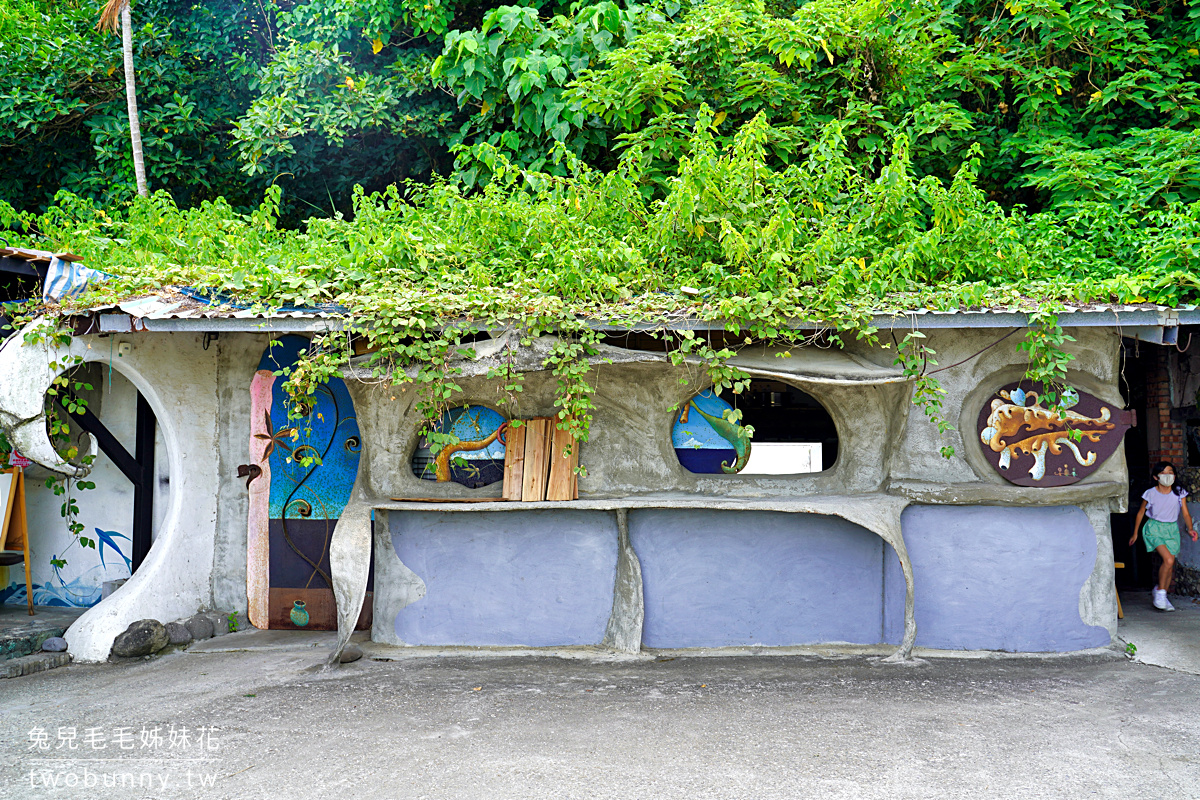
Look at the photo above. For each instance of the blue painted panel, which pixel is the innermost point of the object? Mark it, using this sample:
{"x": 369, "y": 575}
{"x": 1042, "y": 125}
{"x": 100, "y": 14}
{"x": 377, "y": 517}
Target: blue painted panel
{"x": 698, "y": 445}
{"x": 705, "y": 461}
{"x": 471, "y": 468}
{"x": 535, "y": 578}
{"x": 725, "y": 578}
{"x": 996, "y": 578}
{"x": 697, "y": 433}
{"x": 330, "y": 433}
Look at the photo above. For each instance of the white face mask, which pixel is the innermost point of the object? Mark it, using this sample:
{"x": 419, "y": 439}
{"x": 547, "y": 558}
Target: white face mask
{"x": 1166, "y": 479}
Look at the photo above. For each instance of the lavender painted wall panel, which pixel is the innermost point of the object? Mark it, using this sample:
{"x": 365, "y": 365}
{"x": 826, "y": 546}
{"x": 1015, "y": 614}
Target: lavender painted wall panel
{"x": 535, "y": 578}
{"x": 992, "y": 578}
{"x": 726, "y": 578}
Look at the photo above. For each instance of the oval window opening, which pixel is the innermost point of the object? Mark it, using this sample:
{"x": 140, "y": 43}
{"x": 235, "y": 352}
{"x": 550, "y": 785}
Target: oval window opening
{"x": 477, "y": 457}
{"x": 793, "y": 433}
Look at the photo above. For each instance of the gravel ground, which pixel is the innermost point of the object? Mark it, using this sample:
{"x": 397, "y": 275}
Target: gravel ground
{"x": 263, "y": 725}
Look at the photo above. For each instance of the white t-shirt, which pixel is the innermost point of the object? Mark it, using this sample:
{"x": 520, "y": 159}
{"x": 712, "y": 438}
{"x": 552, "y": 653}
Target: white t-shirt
{"x": 1163, "y": 507}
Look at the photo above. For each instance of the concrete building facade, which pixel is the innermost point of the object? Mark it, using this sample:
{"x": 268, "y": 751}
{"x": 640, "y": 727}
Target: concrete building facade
{"x": 891, "y": 543}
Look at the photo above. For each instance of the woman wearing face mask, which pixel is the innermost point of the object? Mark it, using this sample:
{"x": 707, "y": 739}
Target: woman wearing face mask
{"x": 1161, "y": 506}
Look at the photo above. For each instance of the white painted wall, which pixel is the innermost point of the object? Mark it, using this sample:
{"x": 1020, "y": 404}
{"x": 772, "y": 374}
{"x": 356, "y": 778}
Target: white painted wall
{"x": 783, "y": 458}
{"x": 108, "y": 507}
{"x": 179, "y": 380}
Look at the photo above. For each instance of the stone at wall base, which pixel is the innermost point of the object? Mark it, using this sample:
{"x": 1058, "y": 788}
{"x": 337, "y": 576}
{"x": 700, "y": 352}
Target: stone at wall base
{"x": 352, "y": 652}
{"x": 220, "y": 623}
{"x": 1187, "y": 581}
{"x": 55, "y": 644}
{"x": 200, "y": 627}
{"x": 177, "y": 633}
{"x": 142, "y": 638}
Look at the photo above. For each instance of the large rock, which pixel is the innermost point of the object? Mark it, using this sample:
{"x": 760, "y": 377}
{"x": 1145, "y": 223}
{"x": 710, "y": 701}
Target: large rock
{"x": 219, "y": 622}
{"x": 200, "y": 627}
{"x": 55, "y": 644}
{"x": 142, "y": 638}
{"x": 177, "y": 633}
{"x": 350, "y": 654}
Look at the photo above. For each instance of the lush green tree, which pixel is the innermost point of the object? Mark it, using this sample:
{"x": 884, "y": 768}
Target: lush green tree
{"x": 64, "y": 120}
{"x": 321, "y": 95}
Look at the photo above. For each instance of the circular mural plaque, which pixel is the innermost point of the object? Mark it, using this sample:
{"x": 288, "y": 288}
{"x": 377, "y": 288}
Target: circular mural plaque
{"x": 1031, "y": 445}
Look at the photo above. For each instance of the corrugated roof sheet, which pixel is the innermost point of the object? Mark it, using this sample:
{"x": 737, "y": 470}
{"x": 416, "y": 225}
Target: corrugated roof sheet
{"x": 177, "y": 310}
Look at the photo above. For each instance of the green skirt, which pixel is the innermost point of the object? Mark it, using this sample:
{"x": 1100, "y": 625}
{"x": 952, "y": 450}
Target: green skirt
{"x": 1155, "y": 533}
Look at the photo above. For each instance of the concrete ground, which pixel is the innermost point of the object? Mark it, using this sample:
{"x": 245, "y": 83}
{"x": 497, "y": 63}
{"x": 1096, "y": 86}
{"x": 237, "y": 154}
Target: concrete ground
{"x": 22, "y": 634}
{"x": 17, "y": 616}
{"x": 1165, "y": 639}
{"x": 260, "y": 723}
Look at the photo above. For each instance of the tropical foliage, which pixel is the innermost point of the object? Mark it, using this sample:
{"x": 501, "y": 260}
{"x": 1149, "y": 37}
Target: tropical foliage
{"x": 321, "y": 95}
{"x": 435, "y": 168}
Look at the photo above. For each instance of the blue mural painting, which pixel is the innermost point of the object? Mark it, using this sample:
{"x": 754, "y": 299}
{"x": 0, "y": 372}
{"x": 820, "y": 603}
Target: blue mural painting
{"x": 82, "y": 591}
{"x": 314, "y": 460}
{"x": 477, "y": 459}
{"x": 706, "y": 440}
{"x": 311, "y": 465}
{"x": 108, "y": 539}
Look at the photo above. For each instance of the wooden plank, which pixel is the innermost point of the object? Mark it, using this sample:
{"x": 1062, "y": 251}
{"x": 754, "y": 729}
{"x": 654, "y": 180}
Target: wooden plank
{"x": 574, "y": 472}
{"x": 16, "y": 527}
{"x": 514, "y": 462}
{"x": 258, "y": 532}
{"x": 563, "y": 484}
{"x": 362, "y": 346}
{"x": 20, "y": 522}
{"x": 537, "y": 459}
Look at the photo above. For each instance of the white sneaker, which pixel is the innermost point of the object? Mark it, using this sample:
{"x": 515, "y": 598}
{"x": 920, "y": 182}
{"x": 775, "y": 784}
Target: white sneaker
{"x": 1167, "y": 603}
{"x": 1160, "y": 599}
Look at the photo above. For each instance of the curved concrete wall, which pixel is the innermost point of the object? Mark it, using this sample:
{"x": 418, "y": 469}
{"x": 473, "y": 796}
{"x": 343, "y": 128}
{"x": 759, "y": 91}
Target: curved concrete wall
{"x": 888, "y": 451}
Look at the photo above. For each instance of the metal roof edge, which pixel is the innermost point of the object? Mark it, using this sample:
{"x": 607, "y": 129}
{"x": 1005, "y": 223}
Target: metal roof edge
{"x": 1113, "y": 317}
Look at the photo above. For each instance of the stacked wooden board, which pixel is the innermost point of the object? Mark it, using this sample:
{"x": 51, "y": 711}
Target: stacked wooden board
{"x": 540, "y": 461}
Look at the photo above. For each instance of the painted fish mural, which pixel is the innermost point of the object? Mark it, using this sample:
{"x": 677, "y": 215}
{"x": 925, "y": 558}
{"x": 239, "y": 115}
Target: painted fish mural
{"x": 1030, "y": 444}
{"x": 705, "y": 441}
{"x": 82, "y": 591}
{"x": 300, "y": 477}
{"x": 476, "y": 460}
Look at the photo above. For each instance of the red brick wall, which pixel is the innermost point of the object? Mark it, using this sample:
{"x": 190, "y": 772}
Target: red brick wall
{"x": 1169, "y": 444}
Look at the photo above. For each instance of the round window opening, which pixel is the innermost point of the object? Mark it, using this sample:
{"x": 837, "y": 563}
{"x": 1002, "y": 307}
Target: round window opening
{"x": 793, "y": 434}
{"x": 466, "y": 446}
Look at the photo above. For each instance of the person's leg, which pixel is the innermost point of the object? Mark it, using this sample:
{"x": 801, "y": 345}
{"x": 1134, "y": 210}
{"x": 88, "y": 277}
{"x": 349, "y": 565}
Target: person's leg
{"x": 1166, "y": 573}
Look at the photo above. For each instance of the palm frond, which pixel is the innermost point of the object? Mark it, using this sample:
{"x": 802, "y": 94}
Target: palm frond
{"x": 110, "y": 15}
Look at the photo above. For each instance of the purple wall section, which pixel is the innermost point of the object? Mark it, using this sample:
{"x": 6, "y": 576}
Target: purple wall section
{"x": 534, "y": 578}
{"x": 726, "y": 578}
{"x": 990, "y": 578}
{"x": 986, "y": 578}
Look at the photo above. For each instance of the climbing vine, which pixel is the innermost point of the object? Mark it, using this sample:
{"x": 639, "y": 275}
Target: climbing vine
{"x": 759, "y": 249}
{"x": 64, "y": 395}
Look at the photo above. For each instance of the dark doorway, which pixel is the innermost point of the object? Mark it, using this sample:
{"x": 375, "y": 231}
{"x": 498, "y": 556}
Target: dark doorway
{"x": 1138, "y": 364}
